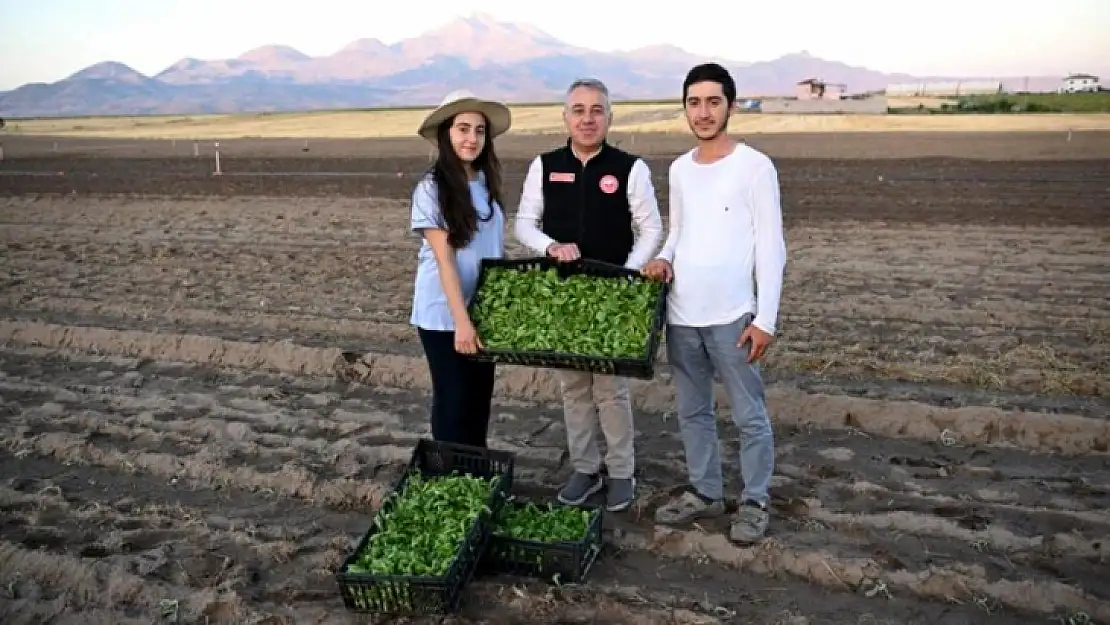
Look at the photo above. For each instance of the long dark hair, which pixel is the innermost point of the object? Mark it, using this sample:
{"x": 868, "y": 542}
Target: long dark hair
{"x": 452, "y": 186}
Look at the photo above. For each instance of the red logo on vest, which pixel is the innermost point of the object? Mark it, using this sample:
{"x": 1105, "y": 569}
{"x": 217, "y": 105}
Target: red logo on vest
{"x": 609, "y": 184}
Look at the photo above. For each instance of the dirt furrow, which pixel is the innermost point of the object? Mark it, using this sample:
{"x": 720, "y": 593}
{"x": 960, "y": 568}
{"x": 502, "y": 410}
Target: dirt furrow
{"x": 276, "y": 554}
{"x": 334, "y": 216}
{"x": 1061, "y": 433}
{"x": 47, "y": 519}
{"x": 58, "y": 583}
{"x": 868, "y": 284}
{"x": 239, "y": 385}
{"x": 860, "y": 495}
{"x": 203, "y": 469}
{"x": 1057, "y": 526}
{"x": 326, "y": 408}
{"x": 1036, "y": 359}
{"x": 997, "y": 538}
{"x": 769, "y": 560}
{"x": 865, "y": 301}
{"x": 912, "y": 544}
{"x": 325, "y": 459}
{"x": 339, "y": 440}
{"x": 352, "y": 325}
{"x": 219, "y": 441}
{"x": 211, "y": 245}
{"x": 361, "y": 325}
{"x": 346, "y": 273}
{"x": 348, "y": 441}
{"x": 867, "y": 576}
{"x": 285, "y": 356}
{"x": 113, "y": 422}
{"x": 913, "y": 190}
{"x": 263, "y": 573}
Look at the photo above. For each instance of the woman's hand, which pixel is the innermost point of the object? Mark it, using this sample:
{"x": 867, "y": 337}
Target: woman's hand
{"x": 466, "y": 338}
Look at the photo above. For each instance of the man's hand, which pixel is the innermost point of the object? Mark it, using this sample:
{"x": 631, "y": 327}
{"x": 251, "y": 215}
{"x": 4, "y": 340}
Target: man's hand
{"x": 658, "y": 269}
{"x": 564, "y": 252}
{"x": 466, "y": 338}
{"x": 759, "y": 339}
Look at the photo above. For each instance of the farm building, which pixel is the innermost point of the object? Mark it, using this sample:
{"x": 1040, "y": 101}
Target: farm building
{"x": 945, "y": 89}
{"x": 1076, "y": 83}
{"x": 814, "y": 89}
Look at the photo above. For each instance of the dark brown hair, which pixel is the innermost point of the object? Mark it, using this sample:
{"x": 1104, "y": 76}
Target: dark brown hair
{"x": 459, "y": 216}
{"x": 711, "y": 72}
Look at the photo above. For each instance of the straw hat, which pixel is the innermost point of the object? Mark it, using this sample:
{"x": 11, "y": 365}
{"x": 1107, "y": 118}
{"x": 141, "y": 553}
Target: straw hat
{"x": 463, "y": 101}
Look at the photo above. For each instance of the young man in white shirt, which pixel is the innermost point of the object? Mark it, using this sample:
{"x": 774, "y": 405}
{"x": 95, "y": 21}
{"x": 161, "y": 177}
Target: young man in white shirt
{"x": 725, "y": 237}
{"x": 589, "y": 199}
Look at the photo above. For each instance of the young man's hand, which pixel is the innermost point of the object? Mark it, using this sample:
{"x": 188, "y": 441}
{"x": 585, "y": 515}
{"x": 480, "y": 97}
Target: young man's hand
{"x": 759, "y": 339}
{"x": 658, "y": 269}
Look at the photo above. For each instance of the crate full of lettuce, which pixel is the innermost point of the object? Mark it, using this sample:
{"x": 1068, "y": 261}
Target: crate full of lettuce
{"x": 550, "y": 541}
{"x": 425, "y": 542}
{"x": 584, "y": 315}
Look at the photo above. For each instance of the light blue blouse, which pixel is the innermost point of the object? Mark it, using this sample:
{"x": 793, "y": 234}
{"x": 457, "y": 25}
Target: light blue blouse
{"x": 429, "y": 303}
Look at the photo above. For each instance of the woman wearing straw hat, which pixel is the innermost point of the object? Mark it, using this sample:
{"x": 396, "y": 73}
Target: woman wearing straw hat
{"x": 457, "y": 209}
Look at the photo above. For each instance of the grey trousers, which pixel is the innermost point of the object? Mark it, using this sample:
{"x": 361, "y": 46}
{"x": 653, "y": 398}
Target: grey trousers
{"x": 590, "y": 401}
{"x": 695, "y": 354}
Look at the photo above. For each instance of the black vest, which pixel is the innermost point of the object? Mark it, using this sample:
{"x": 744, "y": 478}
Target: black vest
{"x": 588, "y": 205}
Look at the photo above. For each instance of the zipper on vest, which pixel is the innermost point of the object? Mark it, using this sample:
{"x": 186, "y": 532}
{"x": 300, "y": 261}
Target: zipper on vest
{"x": 582, "y": 207}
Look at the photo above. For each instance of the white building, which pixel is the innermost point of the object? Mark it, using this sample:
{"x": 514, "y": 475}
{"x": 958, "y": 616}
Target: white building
{"x": 1076, "y": 83}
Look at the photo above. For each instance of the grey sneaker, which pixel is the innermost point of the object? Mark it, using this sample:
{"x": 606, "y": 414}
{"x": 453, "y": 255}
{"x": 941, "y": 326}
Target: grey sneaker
{"x": 579, "y": 488}
{"x": 750, "y": 523}
{"x": 621, "y": 493}
{"x": 687, "y": 507}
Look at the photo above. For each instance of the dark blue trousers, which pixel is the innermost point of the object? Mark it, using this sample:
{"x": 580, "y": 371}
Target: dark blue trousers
{"x": 462, "y": 391}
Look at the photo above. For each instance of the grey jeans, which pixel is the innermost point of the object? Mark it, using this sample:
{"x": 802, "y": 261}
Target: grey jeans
{"x": 695, "y": 354}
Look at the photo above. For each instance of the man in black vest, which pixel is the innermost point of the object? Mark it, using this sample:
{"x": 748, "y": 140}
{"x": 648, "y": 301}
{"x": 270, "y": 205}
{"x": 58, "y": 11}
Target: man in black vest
{"x": 589, "y": 199}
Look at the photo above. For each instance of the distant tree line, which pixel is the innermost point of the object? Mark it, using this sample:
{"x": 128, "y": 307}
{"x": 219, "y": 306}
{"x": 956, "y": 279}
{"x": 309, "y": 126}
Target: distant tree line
{"x": 1093, "y": 102}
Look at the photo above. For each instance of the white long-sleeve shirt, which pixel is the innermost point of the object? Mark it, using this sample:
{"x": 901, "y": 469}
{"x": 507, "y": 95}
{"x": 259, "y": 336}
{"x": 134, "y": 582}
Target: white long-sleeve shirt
{"x": 641, "y": 203}
{"x": 724, "y": 239}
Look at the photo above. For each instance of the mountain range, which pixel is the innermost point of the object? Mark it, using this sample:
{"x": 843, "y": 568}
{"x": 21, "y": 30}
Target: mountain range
{"x": 513, "y": 62}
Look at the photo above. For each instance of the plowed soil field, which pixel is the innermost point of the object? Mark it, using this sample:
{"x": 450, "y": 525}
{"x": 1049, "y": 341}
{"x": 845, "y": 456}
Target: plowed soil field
{"x": 208, "y": 383}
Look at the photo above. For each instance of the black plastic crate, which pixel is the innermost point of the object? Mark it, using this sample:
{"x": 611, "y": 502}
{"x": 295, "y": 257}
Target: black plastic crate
{"x": 642, "y": 367}
{"x": 563, "y": 562}
{"x": 437, "y": 458}
{"x": 418, "y": 595}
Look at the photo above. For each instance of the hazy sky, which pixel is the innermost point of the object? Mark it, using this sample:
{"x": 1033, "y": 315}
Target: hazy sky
{"x": 46, "y": 40}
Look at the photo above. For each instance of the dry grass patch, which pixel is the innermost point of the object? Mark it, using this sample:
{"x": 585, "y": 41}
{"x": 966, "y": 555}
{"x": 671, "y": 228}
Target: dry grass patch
{"x": 531, "y": 119}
